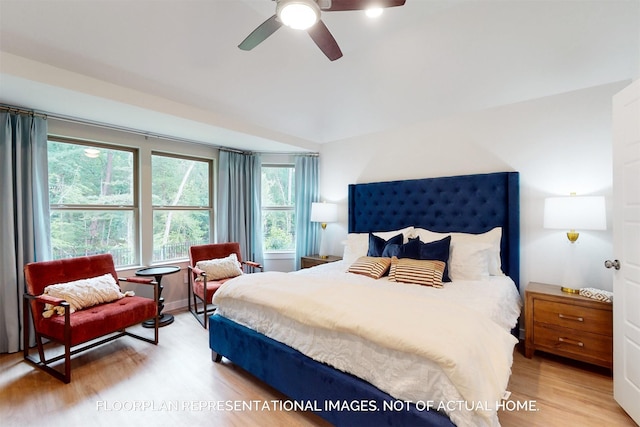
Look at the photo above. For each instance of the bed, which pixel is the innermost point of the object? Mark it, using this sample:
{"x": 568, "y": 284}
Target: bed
{"x": 349, "y": 391}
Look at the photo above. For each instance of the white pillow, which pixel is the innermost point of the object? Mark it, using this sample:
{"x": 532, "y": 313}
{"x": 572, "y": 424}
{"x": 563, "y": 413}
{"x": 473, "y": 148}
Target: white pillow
{"x": 357, "y": 244}
{"x": 85, "y": 293}
{"x": 469, "y": 261}
{"x": 386, "y": 235}
{"x": 427, "y": 236}
{"x": 492, "y": 237}
{"x": 221, "y": 268}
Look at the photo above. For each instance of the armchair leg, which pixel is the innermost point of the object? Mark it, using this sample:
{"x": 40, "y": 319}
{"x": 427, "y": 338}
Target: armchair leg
{"x": 67, "y": 345}
{"x": 156, "y": 322}
{"x": 189, "y": 291}
{"x": 204, "y": 306}
{"x": 26, "y": 325}
{"x": 64, "y": 374}
{"x": 42, "y": 362}
{"x": 192, "y": 300}
{"x": 201, "y": 315}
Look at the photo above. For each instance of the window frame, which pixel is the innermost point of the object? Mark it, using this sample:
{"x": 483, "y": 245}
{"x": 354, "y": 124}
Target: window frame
{"x": 289, "y": 208}
{"x": 189, "y": 208}
{"x": 135, "y": 182}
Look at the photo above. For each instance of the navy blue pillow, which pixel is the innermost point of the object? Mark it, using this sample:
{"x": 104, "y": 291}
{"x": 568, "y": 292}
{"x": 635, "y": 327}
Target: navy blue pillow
{"x": 438, "y": 251}
{"x": 408, "y": 250}
{"x": 377, "y": 244}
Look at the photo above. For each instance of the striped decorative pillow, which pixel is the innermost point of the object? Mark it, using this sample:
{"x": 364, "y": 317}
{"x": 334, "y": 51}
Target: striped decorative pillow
{"x": 373, "y": 267}
{"x": 421, "y": 272}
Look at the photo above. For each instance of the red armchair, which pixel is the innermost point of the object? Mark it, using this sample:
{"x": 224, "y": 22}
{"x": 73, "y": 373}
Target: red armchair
{"x": 107, "y": 321}
{"x": 200, "y": 287}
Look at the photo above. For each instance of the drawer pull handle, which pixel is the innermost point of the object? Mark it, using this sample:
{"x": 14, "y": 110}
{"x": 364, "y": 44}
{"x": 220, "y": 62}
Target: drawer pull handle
{"x": 570, "y": 341}
{"x": 577, "y": 319}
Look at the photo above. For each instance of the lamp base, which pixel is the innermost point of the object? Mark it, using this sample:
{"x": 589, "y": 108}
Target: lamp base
{"x": 572, "y": 236}
{"x": 323, "y": 252}
{"x": 569, "y": 290}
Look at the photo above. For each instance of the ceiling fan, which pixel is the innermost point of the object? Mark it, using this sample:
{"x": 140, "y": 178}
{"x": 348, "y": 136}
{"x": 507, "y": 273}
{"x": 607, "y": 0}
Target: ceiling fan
{"x": 305, "y": 15}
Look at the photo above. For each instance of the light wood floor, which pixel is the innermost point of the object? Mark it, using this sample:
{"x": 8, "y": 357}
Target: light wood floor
{"x": 132, "y": 383}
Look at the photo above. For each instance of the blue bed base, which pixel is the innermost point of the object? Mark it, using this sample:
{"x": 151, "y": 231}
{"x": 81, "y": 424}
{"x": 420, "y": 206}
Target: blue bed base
{"x": 468, "y": 203}
{"x": 318, "y": 385}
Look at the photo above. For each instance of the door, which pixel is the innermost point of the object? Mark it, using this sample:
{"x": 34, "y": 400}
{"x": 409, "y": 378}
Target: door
{"x": 626, "y": 246}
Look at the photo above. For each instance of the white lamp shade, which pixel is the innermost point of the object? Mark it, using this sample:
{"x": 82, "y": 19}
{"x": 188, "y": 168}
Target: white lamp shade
{"x": 575, "y": 213}
{"x": 324, "y": 212}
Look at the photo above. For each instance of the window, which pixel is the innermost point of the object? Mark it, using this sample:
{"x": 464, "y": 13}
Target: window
{"x": 93, "y": 200}
{"x": 278, "y": 214}
{"x": 182, "y": 205}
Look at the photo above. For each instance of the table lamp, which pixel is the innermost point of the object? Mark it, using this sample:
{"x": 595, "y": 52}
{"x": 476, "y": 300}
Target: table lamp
{"x": 574, "y": 213}
{"x": 323, "y": 213}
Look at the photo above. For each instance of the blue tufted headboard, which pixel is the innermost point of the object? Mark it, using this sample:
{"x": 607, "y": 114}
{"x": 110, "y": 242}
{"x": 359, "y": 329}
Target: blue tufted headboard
{"x": 466, "y": 203}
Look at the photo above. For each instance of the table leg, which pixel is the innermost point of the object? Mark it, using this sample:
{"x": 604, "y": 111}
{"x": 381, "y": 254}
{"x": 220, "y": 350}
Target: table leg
{"x": 164, "y": 319}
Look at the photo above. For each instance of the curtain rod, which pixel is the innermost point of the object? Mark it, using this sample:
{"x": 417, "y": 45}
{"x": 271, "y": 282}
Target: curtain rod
{"x": 45, "y": 115}
{"x": 17, "y": 110}
{"x": 107, "y": 126}
{"x": 291, "y": 153}
{"x": 137, "y": 132}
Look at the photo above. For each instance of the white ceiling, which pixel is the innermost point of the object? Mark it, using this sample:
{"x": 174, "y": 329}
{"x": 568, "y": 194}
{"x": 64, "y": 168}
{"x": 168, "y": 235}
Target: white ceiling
{"x": 172, "y": 67}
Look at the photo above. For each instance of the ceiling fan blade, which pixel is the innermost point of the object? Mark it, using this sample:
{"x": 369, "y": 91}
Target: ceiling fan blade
{"x": 340, "y": 5}
{"x": 260, "y": 34}
{"x": 325, "y": 41}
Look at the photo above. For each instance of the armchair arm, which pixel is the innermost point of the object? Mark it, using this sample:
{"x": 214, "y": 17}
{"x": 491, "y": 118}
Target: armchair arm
{"x": 45, "y": 299}
{"x": 48, "y": 299}
{"x": 253, "y": 264}
{"x": 198, "y": 272}
{"x": 143, "y": 281}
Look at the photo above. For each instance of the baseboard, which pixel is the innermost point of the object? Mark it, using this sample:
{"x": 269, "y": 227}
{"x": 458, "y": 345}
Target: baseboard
{"x": 176, "y": 305}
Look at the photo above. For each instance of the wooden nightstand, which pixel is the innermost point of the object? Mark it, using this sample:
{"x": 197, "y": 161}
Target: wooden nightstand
{"x": 568, "y": 325}
{"x": 313, "y": 260}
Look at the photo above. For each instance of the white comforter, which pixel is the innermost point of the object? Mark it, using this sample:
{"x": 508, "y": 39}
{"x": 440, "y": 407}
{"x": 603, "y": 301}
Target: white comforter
{"x": 424, "y": 346}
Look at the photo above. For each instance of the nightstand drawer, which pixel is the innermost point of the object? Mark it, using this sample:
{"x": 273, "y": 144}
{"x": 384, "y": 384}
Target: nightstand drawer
{"x": 574, "y": 317}
{"x": 583, "y": 345}
{"x": 308, "y": 263}
{"x": 313, "y": 260}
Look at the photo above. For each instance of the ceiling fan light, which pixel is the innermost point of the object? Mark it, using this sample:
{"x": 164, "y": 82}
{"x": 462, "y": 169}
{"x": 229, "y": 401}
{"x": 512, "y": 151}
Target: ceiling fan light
{"x": 374, "y": 12}
{"x": 298, "y": 14}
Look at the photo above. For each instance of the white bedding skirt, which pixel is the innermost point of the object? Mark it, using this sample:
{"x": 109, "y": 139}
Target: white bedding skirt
{"x": 400, "y": 372}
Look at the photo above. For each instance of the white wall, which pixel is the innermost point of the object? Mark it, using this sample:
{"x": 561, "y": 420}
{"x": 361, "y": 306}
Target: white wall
{"x": 559, "y": 144}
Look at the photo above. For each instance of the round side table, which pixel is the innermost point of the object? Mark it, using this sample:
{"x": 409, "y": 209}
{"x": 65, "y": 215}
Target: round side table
{"x": 158, "y": 273}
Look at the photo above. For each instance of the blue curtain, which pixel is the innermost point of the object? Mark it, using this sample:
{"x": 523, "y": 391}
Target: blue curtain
{"x": 307, "y": 236}
{"x": 238, "y": 216}
{"x": 24, "y": 215}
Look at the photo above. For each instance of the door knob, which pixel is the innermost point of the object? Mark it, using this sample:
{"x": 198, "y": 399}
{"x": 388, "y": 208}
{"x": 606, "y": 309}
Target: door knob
{"x": 615, "y": 264}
